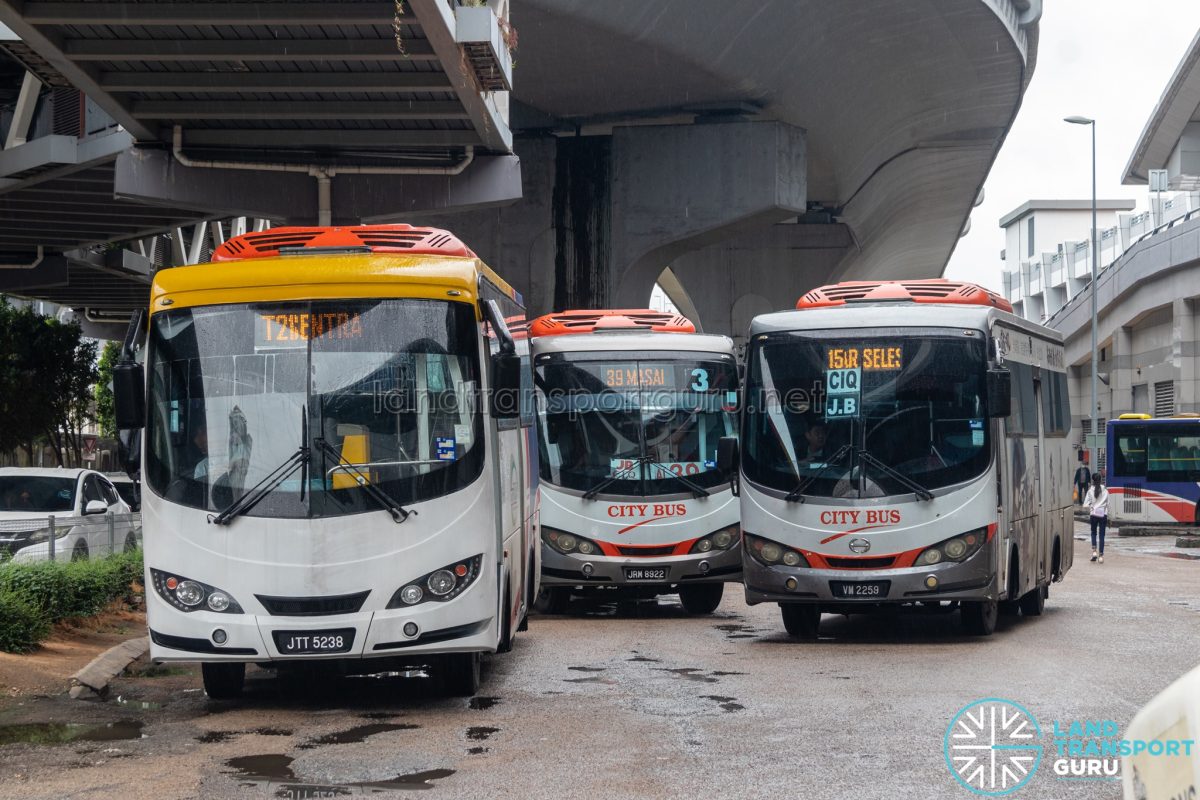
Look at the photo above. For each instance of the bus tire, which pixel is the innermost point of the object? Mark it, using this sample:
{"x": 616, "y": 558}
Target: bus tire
{"x": 801, "y": 620}
{"x": 979, "y": 618}
{"x": 530, "y": 598}
{"x": 460, "y": 674}
{"x": 702, "y": 598}
{"x": 80, "y": 551}
{"x": 1012, "y": 605}
{"x": 130, "y": 542}
{"x": 553, "y": 600}
{"x": 1033, "y": 603}
{"x": 223, "y": 680}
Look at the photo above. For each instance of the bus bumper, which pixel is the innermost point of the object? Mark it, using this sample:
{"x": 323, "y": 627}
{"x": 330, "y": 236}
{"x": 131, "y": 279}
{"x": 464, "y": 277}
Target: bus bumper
{"x": 717, "y": 566}
{"x": 973, "y": 579}
{"x": 466, "y": 624}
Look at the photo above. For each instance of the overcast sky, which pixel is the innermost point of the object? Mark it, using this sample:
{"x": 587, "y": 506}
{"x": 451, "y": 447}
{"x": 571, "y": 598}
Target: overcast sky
{"x": 1105, "y": 59}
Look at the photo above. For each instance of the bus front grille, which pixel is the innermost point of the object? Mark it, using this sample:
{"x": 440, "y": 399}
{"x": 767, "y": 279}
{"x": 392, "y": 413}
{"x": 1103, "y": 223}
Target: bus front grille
{"x": 881, "y": 562}
{"x": 313, "y": 606}
{"x": 644, "y": 552}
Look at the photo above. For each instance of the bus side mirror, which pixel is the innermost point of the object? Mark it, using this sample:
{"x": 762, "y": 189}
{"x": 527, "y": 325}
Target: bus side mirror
{"x": 506, "y": 385}
{"x": 129, "y": 395}
{"x": 999, "y": 392}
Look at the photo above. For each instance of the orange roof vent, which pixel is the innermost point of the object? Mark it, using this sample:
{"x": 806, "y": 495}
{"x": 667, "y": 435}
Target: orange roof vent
{"x": 933, "y": 290}
{"x": 624, "y": 319}
{"x": 374, "y": 238}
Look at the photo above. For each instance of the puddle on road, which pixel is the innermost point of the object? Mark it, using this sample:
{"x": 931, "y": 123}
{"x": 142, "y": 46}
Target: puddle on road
{"x": 215, "y": 737}
{"x": 688, "y": 673}
{"x": 144, "y": 705}
{"x": 59, "y": 732}
{"x": 272, "y": 731}
{"x": 357, "y": 734}
{"x": 645, "y": 659}
{"x": 479, "y": 733}
{"x": 476, "y": 751}
{"x": 275, "y": 771}
{"x": 588, "y": 669}
{"x": 738, "y": 631}
{"x": 726, "y": 703}
{"x": 482, "y": 703}
{"x": 592, "y": 679}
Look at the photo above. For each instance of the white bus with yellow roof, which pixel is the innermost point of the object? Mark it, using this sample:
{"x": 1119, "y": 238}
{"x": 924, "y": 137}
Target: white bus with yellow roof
{"x": 336, "y": 461}
{"x": 903, "y": 443}
{"x": 631, "y": 405}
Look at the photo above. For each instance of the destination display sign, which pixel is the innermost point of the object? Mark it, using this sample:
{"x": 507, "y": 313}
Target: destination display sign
{"x": 867, "y": 358}
{"x": 296, "y": 329}
{"x": 844, "y": 374}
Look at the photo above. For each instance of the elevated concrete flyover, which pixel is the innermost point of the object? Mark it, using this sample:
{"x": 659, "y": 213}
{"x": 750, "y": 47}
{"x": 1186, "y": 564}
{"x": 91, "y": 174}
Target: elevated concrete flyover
{"x": 754, "y": 148}
{"x": 145, "y": 116}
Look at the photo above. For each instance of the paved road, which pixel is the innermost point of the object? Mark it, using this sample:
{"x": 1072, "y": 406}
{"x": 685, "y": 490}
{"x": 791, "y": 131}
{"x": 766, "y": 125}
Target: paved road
{"x": 650, "y": 703}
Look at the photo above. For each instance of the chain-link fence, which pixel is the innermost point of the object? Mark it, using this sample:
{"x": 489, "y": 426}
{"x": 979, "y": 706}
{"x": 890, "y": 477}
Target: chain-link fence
{"x": 68, "y": 538}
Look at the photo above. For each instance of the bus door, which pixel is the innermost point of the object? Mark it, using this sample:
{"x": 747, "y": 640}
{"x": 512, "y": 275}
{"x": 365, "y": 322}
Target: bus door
{"x": 1036, "y": 560}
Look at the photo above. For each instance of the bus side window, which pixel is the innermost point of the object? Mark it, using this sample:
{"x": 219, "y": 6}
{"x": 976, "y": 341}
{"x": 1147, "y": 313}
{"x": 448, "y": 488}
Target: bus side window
{"x": 1022, "y": 421}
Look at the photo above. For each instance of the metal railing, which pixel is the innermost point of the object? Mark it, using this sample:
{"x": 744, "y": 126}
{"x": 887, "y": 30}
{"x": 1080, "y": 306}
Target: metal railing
{"x": 55, "y": 537}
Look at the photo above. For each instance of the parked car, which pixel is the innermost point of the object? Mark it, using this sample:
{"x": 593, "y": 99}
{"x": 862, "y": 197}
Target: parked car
{"x": 82, "y": 502}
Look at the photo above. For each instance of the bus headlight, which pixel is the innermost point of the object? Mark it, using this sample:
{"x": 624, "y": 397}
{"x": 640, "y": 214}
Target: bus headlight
{"x": 957, "y": 549}
{"x": 769, "y": 553}
{"x": 186, "y": 594}
{"x": 723, "y": 539}
{"x": 440, "y": 585}
{"x": 567, "y": 543}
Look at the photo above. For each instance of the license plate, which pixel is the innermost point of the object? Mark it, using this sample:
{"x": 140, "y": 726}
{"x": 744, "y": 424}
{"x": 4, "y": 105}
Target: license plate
{"x": 860, "y": 589}
{"x": 645, "y": 573}
{"x": 295, "y": 643}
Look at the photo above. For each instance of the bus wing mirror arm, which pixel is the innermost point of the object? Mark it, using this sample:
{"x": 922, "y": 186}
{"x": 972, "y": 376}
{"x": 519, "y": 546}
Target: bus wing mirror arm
{"x": 999, "y": 392}
{"x": 494, "y": 316}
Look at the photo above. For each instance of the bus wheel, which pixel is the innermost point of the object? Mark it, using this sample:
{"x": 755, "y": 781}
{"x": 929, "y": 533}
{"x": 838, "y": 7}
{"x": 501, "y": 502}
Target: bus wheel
{"x": 553, "y": 600}
{"x": 130, "y": 542}
{"x": 223, "y": 681}
{"x": 702, "y": 598}
{"x": 1033, "y": 602}
{"x": 801, "y": 620}
{"x": 80, "y": 551}
{"x": 979, "y": 618}
{"x": 461, "y": 674}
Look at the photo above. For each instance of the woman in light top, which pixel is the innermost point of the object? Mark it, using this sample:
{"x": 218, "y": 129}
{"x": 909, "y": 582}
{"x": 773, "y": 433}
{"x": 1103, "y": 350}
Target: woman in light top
{"x": 1096, "y": 503}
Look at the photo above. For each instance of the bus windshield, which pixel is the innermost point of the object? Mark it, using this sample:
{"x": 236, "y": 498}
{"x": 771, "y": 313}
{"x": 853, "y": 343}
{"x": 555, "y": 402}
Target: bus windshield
{"x": 832, "y": 415}
{"x": 388, "y": 387}
{"x": 630, "y": 426}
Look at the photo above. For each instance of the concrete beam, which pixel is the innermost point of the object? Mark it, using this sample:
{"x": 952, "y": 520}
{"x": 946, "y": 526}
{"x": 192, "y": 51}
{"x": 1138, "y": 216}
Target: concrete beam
{"x": 151, "y": 14}
{"x": 80, "y": 50}
{"x": 345, "y": 82}
{"x": 176, "y": 110}
{"x": 50, "y": 271}
{"x": 153, "y": 177}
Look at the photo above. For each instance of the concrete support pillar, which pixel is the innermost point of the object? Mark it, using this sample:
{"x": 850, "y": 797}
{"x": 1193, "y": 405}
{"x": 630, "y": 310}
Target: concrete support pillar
{"x": 1185, "y": 353}
{"x": 601, "y": 217}
{"x": 732, "y": 282}
{"x": 1120, "y": 371}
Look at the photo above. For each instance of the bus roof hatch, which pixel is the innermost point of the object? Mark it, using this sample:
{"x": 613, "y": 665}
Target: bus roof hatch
{"x": 932, "y": 290}
{"x": 621, "y": 319}
{"x": 404, "y": 239}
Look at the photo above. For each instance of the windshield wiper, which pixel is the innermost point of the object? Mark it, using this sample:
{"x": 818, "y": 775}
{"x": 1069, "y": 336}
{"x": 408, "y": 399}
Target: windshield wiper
{"x": 696, "y": 489}
{"x": 399, "y": 513}
{"x": 591, "y": 493}
{"x": 797, "y": 494}
{"x": 895, "y": 475}
{"x": 251, "y": 497}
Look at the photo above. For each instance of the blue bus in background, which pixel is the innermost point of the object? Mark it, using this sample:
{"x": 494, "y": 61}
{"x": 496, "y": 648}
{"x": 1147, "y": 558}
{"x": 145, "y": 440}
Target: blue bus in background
{"x": 1154, "y": 469}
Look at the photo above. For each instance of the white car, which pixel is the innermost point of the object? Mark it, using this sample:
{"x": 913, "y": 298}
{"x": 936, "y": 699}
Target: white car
{"x": 82, "y": 501}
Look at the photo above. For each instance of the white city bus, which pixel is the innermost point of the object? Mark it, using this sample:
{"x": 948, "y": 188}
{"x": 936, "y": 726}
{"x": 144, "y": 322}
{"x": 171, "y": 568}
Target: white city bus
{"x": 884, "y": 461}
{"x": 335, "y": 468}
{"x": 631, "y": 406}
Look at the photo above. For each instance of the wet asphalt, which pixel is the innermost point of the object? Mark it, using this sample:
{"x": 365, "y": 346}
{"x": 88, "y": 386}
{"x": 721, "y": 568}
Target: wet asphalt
{"x": 638, "y": 700}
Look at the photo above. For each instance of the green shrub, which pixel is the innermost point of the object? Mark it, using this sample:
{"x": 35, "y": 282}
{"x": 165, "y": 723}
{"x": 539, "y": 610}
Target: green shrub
{"x": 72, "y": 589}
{"x": 22, "y": 625}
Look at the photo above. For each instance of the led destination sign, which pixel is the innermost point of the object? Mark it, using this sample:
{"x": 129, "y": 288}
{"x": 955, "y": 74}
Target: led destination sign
{"x": 294, "y": 330}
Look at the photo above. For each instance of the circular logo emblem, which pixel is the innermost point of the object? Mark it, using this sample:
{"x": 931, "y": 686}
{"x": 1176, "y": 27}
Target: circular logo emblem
{"x": 859, "y": 545}
{"x": 993, "y": 746}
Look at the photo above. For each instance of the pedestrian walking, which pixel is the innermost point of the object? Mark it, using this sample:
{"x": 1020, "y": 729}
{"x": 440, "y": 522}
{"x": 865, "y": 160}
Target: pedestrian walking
{"x": 1083, "y": 476}
{"x": 1096, "y": 503}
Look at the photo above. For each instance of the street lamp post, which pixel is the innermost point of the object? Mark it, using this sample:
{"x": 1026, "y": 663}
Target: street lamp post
{"x": 1095, "y": 454}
